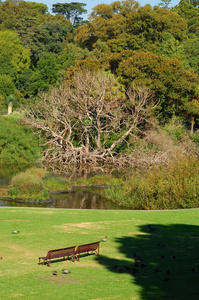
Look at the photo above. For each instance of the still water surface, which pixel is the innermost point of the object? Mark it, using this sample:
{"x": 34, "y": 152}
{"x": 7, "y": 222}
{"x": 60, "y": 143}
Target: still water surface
{"x": 79, "y": 199}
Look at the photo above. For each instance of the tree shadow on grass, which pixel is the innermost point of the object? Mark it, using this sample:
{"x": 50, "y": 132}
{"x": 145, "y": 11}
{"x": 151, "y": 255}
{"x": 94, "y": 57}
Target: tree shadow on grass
{"x": 162, "y": 260}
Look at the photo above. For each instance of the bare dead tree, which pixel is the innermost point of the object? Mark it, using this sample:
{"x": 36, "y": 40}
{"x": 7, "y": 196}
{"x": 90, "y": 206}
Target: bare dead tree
{"x": 85, "y": 123}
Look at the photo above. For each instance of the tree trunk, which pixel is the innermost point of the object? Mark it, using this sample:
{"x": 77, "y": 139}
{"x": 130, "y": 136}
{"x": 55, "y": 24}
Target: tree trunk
{"x": 9, "y": 108}
{"x": 192, "y": 125}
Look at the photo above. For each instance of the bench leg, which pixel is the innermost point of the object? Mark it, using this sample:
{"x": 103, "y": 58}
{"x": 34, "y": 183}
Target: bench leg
{"x": 48, "y": 262}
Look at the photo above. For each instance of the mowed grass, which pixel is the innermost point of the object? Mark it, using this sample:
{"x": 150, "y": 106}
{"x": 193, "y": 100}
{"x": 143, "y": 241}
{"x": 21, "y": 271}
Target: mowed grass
{"x": 170, "y": 254}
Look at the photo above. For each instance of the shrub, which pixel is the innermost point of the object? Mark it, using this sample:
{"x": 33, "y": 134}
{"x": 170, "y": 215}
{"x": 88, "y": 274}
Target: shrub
{"x": 27, "y": 185}
{"x": 175, "y": 129}
{"x": 37, "y": 171}
{"x": 163, "y": 187}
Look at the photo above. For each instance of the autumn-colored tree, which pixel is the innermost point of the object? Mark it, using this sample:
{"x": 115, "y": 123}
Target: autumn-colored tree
{"x": 166, "y": 77}
{"x": 126, "y": 25}
{"x": 85, "y": 65}
{"x": 21, "y": 16}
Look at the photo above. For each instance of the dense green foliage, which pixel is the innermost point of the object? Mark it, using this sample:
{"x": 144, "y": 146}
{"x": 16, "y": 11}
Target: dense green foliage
{"x": 18, "y": 145}
{"x": 37, "y": 49}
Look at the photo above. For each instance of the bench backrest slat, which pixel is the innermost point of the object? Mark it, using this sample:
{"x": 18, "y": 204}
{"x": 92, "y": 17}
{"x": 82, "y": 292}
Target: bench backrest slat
{"x": 57, "y": 253}
{"x": 87, "y": 247}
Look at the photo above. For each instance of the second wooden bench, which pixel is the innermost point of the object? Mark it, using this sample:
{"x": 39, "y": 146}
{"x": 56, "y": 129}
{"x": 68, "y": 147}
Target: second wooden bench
{"x": 86, "y": 248}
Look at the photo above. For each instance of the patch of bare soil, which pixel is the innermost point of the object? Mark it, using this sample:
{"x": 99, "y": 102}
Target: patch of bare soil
{"x": 64, "y": 279}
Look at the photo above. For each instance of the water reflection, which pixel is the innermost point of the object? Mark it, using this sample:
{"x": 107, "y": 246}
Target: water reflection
{"x": 79, "y": 199}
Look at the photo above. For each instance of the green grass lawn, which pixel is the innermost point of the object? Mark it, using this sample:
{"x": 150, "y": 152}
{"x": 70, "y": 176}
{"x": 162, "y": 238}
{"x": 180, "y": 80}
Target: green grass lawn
{"x": 108, "y": 276}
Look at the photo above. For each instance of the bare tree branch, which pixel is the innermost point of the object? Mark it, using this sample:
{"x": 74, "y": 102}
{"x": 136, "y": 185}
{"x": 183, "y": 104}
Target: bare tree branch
{"x": 85, "y": 123}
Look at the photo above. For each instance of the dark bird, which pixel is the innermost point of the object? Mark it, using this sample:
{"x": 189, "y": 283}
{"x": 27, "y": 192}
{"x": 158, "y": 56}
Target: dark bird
{"x": 15, "y": 231}
{"x": 157, "y": 270}
{"x": 137, "y": 264}
{"x": 193, "y": 270}
{"x": 104, "y": 239}
{"x": 161, "y": 245}
{"x": 138, "y": 259}
{"x": 115, "y": 267}
{"x": 65, "y": 271}
{"x": 151, "y": 229}
{"x": 134, "y": 271}
{"x": 120, "y": 270}
{"x": 54, "y": 272}
{"x": 166, "y": 279}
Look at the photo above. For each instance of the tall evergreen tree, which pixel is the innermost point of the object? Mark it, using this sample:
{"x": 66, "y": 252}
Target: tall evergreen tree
{"x": 72, "y": 11}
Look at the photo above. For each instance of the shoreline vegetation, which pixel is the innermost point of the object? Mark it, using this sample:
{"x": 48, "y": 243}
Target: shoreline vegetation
{"x": 173, "y": 186}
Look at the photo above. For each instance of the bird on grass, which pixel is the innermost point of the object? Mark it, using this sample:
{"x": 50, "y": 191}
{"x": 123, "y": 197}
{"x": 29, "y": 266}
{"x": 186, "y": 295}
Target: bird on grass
{"x": 1, "y": 257}
{"x": 104, "y": 239}
{"x": 55, "y": 273}
{"x": 161, "y": 245}
{"x": 157, "y": 271}
{"x": 115, "y": 267}
{"x": 134, "y": 271}
{"x": 138, "y": 259}
{"x": 166, "y": 279}
{"x": 15, "y": 231}
{"x": 65, "y": 271}
{"x": 151, "y": 229}
{"x": 121, "y": 270}
{"x": 193, "y": 270}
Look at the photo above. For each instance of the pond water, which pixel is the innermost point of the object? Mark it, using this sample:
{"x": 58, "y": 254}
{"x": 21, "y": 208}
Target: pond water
{"x": 79, "y": 199}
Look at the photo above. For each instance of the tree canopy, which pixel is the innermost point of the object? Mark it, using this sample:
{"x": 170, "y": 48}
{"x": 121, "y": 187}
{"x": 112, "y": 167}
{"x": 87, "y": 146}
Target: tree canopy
{"x": 123, "y": 45}
{"x": 71, "y": 11}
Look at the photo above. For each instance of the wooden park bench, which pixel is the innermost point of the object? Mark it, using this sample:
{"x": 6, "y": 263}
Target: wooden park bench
{"x": 58, "y": 253}
{"x": 86, "y": 248}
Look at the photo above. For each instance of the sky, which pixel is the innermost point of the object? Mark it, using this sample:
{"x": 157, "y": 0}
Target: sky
{"x": 90, "y": 4}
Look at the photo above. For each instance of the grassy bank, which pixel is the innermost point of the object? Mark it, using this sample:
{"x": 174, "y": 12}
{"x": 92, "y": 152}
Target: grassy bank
{"x": 109, "y": 276}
